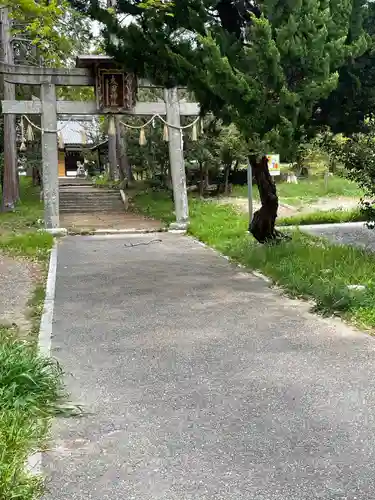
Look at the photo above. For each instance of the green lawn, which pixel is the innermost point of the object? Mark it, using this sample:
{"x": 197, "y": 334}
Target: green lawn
{"x": 306, "y": 267}
{"x": 308, "y": 190}
{"x": 28, "y": 214}
{"x": 31, "y": 388}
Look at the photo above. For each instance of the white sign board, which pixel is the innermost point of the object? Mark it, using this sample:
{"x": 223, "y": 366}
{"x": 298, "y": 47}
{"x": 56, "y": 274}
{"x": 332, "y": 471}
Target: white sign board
{"x": 274, "y": 164}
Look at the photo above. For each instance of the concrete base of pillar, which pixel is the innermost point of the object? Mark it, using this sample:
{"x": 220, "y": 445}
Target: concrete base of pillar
{"x": 178, "y": 226}
{"x": 55, "y": 231}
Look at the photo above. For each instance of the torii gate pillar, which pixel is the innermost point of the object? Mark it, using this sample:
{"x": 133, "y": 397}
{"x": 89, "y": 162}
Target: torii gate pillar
{"x": 50, "y": 157}
{"x": 176, "y": 160}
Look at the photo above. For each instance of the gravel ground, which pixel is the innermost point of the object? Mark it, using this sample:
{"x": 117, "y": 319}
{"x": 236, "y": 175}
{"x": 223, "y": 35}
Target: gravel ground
{"x": 286, "y": 210}
{"x": 242, "y": 204}
{"x": 17, "y": 279}
{"x": 324, "y": 204}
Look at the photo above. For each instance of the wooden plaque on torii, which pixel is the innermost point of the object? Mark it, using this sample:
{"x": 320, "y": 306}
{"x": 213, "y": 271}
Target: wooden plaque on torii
{"x": 115, "y": 89}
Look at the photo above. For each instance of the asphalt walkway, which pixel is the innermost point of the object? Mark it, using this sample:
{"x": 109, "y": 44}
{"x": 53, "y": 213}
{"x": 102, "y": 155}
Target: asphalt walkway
{"x": 353, "y": 233}
{"x": 201, "y": 382}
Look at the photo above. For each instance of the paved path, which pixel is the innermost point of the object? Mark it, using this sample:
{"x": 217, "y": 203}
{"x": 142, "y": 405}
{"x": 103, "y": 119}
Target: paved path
{"x": 102, "y": 220}
{"x": 355, "y": 234}
{"x": 203, "y": 383}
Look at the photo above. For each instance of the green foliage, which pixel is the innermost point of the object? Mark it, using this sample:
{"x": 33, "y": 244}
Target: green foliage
{"x": 306, "y": 267}
{"x": 154, "y": 204}
{"x": 18, "y": 235}
{"x": 31, "y": 392}
{"x": 217, "y": 147}
{"x": 347, "y": 107}
{"x": 56, "y": 31}
{"x": 28, "y": 382}
{"x": 34, "y": 245}
{"x": 103, "y": 181}
{"x": 264, "y": 68}
{"x": 28, "y": 213}
{"x": 357, "y": 153}
{"x": 205, "y": 150}
{"x": 231, "y": 145}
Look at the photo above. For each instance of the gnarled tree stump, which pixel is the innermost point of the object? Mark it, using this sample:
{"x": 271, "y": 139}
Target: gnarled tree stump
{"x": 262, "y": 226}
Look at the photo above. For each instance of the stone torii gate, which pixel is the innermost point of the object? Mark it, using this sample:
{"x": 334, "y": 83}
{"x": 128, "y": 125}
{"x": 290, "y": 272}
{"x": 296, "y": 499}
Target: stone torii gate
{"x": 115, "y": 94}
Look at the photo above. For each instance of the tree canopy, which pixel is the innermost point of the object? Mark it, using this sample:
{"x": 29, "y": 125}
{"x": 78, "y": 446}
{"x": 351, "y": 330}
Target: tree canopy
{"x": 263, "y": 66}
{"x": 348, "y": 106}
{"x": 49, "y": 31}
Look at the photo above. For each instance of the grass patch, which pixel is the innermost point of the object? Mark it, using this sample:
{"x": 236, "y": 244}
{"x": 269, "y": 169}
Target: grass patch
{"x": 35, "y": 309}
{"x": 323, "y": 217}
{"x": 308, "y": 190}
{"x": 155, "y": 204}
{"x": 31, "y": 393}
{"x": 102, "y": 181}
{"x": 33, "y": 245}
{"x": 307, "y": 266}
{"x": 28, "y": 213}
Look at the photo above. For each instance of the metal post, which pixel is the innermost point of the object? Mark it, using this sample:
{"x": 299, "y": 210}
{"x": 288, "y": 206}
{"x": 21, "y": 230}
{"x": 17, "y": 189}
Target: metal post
{"x": 50, "y": 157}
{"x": 250, "y": 190}
{"x": 176, "y": 159}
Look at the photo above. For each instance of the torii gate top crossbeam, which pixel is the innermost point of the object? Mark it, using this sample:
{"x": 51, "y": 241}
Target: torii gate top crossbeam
{"x": 34, "y": 75}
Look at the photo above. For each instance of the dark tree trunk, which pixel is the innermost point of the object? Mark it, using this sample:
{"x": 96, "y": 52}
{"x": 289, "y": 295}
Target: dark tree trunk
{"x": 206, "y": 178}
{"x": 8, "y": 188}
{"x": 262, "y": 227}
{"x": 226, "y": 179}
{"x": 37, "y": 178}
{"x": 17, "y": 184}
{"x": 201, "y": 179}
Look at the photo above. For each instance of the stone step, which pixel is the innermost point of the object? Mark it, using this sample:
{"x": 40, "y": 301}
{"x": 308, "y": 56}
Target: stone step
{"x": 87, "y": 189}
{"x": 91, "y": 207}
{"x": 90, "y": 196}
{"x": 86, "y": 207}
{"x": 89, "y": 200}
{"x": 89, "y": 193}
{"x": 74, "y": 182}
{"x": 75, "y": 210}
{"x": 96, "y": 204}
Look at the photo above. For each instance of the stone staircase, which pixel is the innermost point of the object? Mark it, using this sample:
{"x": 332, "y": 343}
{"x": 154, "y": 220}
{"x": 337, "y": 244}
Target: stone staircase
{"x": 82, "y": 197}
